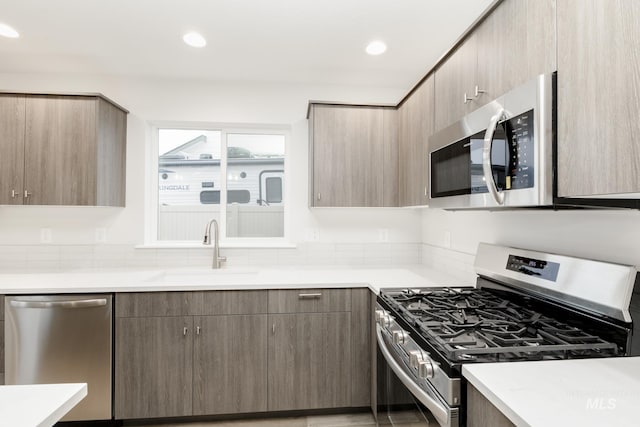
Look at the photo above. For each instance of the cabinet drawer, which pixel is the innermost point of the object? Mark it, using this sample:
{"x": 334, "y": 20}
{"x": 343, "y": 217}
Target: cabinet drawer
{"x": 309, "y": 300}
{"x": 151, "y": 304}
{"x": 232, "y": 302}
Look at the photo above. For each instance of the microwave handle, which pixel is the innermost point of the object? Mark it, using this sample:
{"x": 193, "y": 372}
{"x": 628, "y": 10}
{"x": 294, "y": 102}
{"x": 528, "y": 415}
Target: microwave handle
{"x": 486, "y": 158}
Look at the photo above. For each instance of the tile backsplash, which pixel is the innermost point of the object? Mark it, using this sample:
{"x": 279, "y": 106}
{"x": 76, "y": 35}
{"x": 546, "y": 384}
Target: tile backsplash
{"x": 454, "y": 263}
{"x": 67, "y": 257}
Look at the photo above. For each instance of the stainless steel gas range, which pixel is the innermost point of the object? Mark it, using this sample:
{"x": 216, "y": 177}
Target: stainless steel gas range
{"x": 526, "y": 305}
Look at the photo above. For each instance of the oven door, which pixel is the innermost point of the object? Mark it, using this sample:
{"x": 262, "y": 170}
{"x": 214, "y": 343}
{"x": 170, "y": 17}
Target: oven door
{"x": 400, "y": 401}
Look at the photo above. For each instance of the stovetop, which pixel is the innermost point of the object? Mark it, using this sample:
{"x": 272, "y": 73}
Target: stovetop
{"x": 478, "y": 325}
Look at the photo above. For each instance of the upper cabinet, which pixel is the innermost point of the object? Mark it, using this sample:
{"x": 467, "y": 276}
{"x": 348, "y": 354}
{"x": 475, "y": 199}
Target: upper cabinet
{"x": 598, "y": 97}
{"x": 62, "y": 150}
{"x": 415, "y": 125}
{"x": 353, "y": 156}
{"x": 515, "y": 43}
{"x": 455, "y": 80}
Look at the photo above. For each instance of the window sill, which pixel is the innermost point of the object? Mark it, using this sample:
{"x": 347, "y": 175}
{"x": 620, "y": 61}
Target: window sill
{"x": 253, "y": 244}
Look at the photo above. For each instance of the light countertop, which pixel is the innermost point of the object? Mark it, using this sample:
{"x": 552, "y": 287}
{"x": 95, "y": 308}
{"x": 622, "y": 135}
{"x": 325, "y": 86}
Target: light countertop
{"x": 223, "y": 279}
{"x": 38, "y": 405}
{"x": 585, "y": 392}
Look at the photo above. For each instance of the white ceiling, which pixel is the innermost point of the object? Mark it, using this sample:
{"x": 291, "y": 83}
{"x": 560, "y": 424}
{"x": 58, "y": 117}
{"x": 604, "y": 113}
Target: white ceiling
{"x": 300, "y": 41}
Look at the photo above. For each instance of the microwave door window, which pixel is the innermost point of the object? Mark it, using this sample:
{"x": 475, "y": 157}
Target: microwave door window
{"x": 450, "y": 174}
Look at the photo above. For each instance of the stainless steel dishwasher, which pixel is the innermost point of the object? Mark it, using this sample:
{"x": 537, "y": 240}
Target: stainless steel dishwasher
{"x": 62, "y": 339}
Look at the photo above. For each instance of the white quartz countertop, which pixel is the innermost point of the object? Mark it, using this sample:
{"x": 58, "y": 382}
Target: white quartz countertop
{"x": 223, "y": 279}
{"x": 585, "y": 393}
{"x": 38, "y": 405}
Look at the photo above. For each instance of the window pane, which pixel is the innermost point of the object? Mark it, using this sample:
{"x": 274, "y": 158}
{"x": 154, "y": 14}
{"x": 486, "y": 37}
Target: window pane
{"x": 253, "y": 161}
{"x": 274, "y": 189}
{"x": 189, "y": 178}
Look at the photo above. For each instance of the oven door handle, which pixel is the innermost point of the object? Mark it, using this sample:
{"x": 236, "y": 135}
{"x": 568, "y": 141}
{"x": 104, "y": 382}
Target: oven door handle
{"x": 439, "y": 411}
{"x": 498, "y": 196}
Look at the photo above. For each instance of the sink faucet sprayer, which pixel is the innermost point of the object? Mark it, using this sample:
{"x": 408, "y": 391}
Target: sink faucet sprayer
{"x": 217, "y": 259}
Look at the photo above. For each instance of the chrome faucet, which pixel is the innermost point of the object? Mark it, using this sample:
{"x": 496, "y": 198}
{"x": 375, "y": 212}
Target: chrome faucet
{"x": 217, "y": 259}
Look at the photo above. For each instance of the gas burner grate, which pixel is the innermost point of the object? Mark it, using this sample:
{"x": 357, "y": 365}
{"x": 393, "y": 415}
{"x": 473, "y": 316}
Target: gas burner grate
{"x": 477, "y": 325}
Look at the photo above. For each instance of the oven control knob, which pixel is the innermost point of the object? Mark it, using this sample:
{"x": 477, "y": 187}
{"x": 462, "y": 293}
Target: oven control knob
{"x": 425, "y": 369}
{"x": 415, "y": 357}
{"x": 384, "y": 319}
{"x": 400, "y": 336}
{"x": 379, "y": 314}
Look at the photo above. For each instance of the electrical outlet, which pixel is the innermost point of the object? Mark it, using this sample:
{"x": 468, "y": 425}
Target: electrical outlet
{"x": 45, "y": 235}
{"x": 446, "y": 241}
{"x": 313, "y": 235}
{"x": 101, "y": 235}
{"x": 383, "y": 235}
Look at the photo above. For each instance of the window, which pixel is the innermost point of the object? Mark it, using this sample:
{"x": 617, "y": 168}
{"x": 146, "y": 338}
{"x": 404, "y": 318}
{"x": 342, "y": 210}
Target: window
{"x": 236, "y": 177}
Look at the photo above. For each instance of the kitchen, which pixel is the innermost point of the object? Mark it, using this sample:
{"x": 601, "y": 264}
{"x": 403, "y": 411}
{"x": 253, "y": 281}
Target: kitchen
{"x": 57, "y": 239}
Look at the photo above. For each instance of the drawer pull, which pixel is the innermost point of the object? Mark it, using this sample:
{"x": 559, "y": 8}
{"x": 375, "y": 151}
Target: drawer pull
{"x": 309, "y": 296}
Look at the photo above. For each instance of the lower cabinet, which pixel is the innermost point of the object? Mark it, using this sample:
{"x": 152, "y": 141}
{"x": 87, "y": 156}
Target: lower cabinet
{"x": 309, "y": 356}
{"x": 230, "y": 364}
{"x": 154, "y": 365}
{"x": 482, "y": 413}
{"x": 1, "y": 340}
{"x": 190, "y": 353}
{"x": 230, "y": 352}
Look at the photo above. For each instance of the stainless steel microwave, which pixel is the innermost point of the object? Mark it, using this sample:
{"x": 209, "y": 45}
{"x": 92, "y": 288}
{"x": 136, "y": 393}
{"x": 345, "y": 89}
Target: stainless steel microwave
{"x": 499, "y": 156}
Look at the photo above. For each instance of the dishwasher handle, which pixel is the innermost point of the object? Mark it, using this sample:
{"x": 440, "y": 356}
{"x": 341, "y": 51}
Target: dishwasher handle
{"x": 86, "y": 303}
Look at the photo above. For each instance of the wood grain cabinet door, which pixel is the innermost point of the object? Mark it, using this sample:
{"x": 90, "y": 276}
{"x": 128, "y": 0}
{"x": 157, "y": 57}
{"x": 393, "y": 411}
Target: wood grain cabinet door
{"x": 60, "y": 150}
{"x": 309, "y": 361}
{"x": 12, "y": 121}
{"x": 348, "y": 155}
{"x": 598, "y": 97}
{"x": 230, "y": 364}
{"x": 515, "y": 43}
{"x": 153, "y": 367}
{"x": 454, "y": 79}
{"x": 416, "y": 117}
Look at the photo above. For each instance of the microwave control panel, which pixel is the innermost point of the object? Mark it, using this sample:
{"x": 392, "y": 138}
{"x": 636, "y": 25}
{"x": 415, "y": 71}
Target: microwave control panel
{"x": 520, "y": 151}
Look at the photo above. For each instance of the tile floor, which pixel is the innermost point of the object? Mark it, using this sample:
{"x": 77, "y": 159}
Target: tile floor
{"x": 406, "y": 419}
{"x": 343, "y": 420}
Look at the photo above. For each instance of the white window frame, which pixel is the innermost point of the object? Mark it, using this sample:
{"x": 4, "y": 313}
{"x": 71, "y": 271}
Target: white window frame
{"x": 151, "y": 185}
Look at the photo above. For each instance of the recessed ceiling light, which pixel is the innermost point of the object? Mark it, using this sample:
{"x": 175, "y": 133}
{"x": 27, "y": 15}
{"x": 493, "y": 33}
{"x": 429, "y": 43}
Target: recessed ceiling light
{"x": 7, "y": 31}
{"x": 376, "y": 47}
{"x": 194, "y": 39}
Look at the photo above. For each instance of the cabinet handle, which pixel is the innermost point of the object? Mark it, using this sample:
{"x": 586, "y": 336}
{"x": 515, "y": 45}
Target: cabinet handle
{"x": 14, "y": 194}
{"x": 479, "y": 91}
{"x": 425, "y": 192}
{"x": 26, "y": 194}
{"x": 467, "y": 99}
{"x": 184, "y": 331}
{"x": 319, "y": 196}
{"x": 197, "y": 330}
{"x": 273, "y": 328}
{"x": 309, "y": 296}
